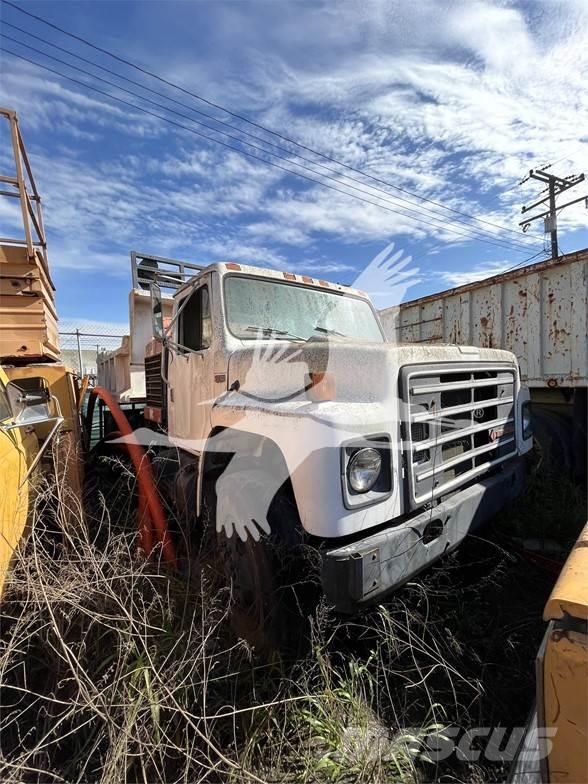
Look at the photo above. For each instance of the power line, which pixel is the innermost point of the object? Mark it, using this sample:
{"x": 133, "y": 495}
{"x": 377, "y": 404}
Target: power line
{"x": 558, "y": 160}
{"x": 391, "y": 199}
{"x": 542, "y": 252}
{"x": 249, "y": 122}
{"x": 498, "y": 242}
{"x": 439, "y": 220}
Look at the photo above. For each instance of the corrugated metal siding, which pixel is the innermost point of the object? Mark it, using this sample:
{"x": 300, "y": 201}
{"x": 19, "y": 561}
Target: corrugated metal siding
{"x": 539, "y": 313}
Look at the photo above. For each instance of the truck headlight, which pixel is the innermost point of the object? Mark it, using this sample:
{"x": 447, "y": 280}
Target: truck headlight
{"x": 527, "y": 420}
{"x": 364, "y": 469}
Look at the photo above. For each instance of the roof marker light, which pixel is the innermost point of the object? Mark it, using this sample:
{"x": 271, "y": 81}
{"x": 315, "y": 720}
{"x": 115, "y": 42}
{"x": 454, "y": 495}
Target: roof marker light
{"x": 289, "y": 275}
{"x": 232, "y": 265}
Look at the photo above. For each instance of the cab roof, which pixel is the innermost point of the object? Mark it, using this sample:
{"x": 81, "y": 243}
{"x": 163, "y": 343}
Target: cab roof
{"x": 234, "y": 268}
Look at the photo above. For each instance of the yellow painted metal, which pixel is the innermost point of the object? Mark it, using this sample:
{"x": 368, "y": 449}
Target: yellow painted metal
{"x": 570, "y": 594}
{"x": 17, "y": 450}
{"x": 67, "y": 455}
{"x": 565, "y": 695}
{"x": 564, "y": 678}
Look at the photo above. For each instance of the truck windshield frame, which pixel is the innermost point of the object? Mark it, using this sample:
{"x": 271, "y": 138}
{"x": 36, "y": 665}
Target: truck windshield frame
{"x": 343, "y": 314}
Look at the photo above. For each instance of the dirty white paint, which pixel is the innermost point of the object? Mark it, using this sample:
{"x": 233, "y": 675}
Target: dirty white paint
{"x": 540, "y": 313}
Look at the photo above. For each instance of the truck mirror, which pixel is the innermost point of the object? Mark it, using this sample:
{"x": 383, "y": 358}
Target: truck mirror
{"x": 29, "y": 401}
{"x": 157, "y": 311}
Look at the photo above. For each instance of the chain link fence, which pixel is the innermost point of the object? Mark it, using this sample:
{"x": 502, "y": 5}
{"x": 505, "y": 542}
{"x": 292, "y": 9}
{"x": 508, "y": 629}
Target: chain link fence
{"x": 80, "y": 347}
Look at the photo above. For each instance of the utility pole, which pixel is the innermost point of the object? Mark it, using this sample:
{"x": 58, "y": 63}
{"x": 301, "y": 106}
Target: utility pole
{"x": 555, "y": 186}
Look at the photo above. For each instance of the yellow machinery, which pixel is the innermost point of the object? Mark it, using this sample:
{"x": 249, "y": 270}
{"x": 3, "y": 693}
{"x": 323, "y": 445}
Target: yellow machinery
{"x": 18, "y": 448}
{"x": 562, "y": 670}
{"x": 39, "y": 397}
{"x": 555, "y": 746}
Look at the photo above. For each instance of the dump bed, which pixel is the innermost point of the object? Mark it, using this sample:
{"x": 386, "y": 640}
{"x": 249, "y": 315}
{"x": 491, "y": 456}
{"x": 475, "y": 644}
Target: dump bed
{"x": 538, "y": 312}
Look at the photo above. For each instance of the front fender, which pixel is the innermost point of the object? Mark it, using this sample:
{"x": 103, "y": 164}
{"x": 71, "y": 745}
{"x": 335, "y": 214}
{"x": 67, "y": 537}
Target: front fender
{"x": 309, "y": 437}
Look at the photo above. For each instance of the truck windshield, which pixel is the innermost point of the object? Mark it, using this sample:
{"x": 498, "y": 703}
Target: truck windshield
{"x": 273, "y": 309}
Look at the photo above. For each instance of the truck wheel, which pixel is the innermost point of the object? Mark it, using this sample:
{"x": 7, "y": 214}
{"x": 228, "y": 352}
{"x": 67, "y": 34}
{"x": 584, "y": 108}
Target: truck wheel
{"x": 580, "y": 432}
{"x": 553, "y": 441}
{"x": 263, "y": 562}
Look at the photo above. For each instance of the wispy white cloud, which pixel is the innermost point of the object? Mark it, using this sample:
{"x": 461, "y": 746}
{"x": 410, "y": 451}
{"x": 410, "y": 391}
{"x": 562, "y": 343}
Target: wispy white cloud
{"x": 472, "y": 274}
{"x": 456, "y": 111}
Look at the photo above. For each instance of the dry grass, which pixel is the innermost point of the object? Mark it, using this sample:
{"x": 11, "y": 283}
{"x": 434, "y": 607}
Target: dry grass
{"x": 113, "y": 669}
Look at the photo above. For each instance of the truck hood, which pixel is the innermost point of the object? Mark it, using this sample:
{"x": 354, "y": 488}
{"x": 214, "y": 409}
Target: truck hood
{"x": 280, "y": 371}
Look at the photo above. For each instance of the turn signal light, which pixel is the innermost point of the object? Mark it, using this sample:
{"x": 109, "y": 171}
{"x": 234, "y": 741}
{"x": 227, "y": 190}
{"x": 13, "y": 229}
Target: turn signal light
{"x": 322, "y": 387}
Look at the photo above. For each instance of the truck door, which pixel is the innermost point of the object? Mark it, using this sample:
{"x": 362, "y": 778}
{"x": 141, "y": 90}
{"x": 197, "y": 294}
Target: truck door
{"x": 17, "y": 450}
{"x": 191, "y": 368}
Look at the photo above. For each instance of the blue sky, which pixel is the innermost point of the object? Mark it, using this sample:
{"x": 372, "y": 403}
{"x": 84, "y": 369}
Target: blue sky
{"x": 451, "y": 101}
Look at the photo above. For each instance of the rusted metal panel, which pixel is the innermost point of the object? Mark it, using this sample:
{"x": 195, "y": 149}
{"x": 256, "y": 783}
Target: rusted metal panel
{"x": 556, "y": 323}
{"x": 539, "y": 312}
{"x": 533, "y": 287}
{"x": 28, "y": 328}
{"x": 430, "y": 325}
{"x": 578, "y": 338}
{"x": 486, "y": 325}
{"x": 456, "y": 322}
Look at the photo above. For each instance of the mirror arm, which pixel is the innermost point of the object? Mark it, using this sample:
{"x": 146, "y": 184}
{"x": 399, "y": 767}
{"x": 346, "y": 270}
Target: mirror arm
{"x": 58, "y": 422}
{"x": 174, "y": 318}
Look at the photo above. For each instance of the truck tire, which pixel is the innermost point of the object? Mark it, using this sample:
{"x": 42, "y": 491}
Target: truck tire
{"x": 265, "y": 564}
{"x": 553, "y": 442}
{"x": 580, "y": 435}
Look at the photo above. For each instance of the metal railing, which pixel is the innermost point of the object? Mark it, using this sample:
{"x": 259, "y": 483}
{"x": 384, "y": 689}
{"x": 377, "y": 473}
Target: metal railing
{"x": 167, "y": 273}
{"x": 21, "y": 186}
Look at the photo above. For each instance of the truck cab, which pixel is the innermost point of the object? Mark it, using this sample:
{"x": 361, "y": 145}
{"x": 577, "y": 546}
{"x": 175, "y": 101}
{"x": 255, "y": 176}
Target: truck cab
{"x": 272, "y": 385}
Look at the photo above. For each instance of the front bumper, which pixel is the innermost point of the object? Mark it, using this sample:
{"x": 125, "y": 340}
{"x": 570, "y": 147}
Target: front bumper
{"x": 357, "y": 574}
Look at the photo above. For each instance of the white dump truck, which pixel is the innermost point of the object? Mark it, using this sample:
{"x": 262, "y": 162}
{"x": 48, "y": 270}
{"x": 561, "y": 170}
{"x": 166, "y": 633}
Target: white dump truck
{"x": 281, "y": 411}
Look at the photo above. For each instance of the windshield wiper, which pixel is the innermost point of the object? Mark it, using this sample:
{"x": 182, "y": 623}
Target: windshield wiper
{"x": 327, "y": 331}
{"x": 272, "y": 331}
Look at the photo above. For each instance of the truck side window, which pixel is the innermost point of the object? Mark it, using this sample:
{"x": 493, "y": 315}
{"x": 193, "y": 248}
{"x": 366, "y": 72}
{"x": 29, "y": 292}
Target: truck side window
{"x": 195, "y": 325}
{"x": 206, "y": 336}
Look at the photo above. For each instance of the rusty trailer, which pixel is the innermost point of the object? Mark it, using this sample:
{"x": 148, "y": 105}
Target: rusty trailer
{"x": 540, "y": 313}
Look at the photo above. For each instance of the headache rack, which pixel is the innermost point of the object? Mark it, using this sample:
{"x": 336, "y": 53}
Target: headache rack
{"x": 167, "y": 273}
{"x": 459, "y": 423}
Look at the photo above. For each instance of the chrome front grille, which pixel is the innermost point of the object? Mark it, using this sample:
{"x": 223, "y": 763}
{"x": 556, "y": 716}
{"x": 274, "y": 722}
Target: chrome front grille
{"x": 459, "y": 423}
